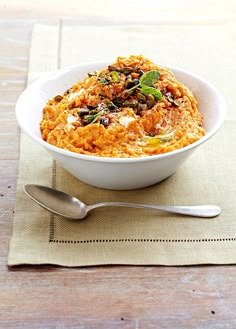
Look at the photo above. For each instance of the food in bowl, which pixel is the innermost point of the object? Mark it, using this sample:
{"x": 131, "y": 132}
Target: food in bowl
{"x": 117, "y": 173}
{"x": 131, "y": 108}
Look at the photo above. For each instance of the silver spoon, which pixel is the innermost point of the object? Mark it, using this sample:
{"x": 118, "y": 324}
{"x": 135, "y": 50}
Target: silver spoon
{"x": 68, "y": 206}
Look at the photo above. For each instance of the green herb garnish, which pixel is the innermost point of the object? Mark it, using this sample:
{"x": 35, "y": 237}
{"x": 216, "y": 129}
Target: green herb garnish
{"x": 93, "y": 117}
{"x": 146, "y": 90}
{"x": 149, "y": 78}
{"x": 146, "y": 84}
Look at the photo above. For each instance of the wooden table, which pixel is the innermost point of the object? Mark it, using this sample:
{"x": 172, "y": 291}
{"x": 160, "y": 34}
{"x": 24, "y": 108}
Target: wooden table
{"x": 92, "y": 297}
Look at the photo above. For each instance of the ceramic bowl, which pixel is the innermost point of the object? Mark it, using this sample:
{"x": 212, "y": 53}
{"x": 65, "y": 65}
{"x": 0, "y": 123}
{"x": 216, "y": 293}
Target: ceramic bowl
{"x": 116, "y": 173}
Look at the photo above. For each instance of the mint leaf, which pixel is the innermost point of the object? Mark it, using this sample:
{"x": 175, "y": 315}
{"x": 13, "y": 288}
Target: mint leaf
{"x": 146, "y": 90}
{"x": 149, "y": 78}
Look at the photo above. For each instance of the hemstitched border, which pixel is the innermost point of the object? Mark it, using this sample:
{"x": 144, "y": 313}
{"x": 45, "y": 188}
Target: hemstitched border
{"x": 52, "y": 238}
{"x": 143, "y": 240}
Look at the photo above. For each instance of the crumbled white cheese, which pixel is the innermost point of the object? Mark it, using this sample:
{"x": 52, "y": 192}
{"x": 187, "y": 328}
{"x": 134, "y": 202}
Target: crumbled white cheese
{"x": 70, "y": 119}
{"x": 76, "y": 94}
{"x": 101, "y": 106}
{"x": 125, "y": 121}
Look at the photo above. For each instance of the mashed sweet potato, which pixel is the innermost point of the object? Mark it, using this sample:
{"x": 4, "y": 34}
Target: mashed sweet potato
{"x": 132, "y": 108}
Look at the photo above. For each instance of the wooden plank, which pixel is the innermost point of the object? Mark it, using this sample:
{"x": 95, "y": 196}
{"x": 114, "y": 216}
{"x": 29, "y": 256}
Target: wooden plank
{"x": 105, "y": 297}
{"x": 13, "y": 69}
{"x": 14, "y": 49}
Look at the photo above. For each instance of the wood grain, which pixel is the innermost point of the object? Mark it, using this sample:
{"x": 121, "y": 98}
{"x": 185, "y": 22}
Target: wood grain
{"x": 94, "y": 297}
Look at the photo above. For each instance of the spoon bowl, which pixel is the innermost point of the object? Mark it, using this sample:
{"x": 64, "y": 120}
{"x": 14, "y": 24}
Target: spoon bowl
{"x": 57, "y": 202}
{"x": 68, "y": 206}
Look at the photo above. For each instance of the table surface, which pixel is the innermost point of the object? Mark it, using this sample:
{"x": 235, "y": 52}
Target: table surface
{"x": 101, "y": 296}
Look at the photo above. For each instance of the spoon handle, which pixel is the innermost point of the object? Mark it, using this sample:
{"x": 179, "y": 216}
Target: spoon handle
{"x": 196, "y": 211}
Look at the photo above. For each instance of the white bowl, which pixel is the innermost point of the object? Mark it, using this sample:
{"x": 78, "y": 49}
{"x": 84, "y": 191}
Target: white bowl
{"x": 116, "y": 173}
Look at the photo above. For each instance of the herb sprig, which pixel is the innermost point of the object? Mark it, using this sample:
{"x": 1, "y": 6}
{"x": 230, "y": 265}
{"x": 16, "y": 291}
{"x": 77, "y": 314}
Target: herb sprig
{"x": 146, "y": 84}
{"x": 93, "y": 117}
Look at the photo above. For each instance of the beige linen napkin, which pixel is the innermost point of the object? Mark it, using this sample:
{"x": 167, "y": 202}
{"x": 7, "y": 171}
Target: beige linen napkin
{"x": 129, "y": 236}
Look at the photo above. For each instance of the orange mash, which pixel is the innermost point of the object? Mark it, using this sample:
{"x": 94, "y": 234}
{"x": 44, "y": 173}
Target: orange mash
{"x": 132, "y": 108}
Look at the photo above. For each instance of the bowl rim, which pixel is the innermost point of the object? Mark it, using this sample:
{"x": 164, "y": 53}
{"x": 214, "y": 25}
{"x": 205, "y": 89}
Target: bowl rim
{"x": 54, "y": 74}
